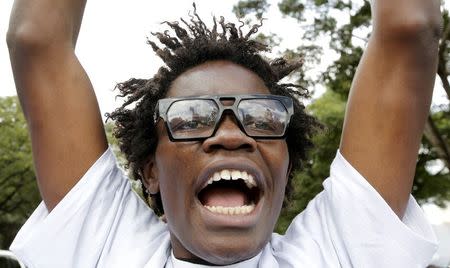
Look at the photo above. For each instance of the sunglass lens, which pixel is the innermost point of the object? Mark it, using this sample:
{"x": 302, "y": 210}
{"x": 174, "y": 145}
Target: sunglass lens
{"x": 263, "y": 117}
{"x": 192, "y": 118}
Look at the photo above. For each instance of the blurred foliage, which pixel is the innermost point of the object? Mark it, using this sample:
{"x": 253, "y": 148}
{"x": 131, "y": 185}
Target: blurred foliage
{"x": 19, "y": 194}
{"x": 329, "y": 109}
{"x": 346, "y": 38}
{"x": 258, "y": 7}
{"x": 114, "y": 143}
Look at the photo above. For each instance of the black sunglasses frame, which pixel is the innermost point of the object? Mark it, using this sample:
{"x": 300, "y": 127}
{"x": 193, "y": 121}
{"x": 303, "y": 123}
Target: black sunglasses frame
{"x": 163, "y": 106}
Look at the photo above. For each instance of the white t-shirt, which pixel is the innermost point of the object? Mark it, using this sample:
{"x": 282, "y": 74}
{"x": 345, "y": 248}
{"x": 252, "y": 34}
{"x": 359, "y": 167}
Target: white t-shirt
{"x": 101, "y": 222}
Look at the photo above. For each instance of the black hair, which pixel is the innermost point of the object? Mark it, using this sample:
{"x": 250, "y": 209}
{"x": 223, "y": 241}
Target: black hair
{"x": 188, "y": 44}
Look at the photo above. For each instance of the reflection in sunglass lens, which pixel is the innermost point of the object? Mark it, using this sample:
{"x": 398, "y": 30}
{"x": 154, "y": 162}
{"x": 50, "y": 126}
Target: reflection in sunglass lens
{"x": 263, "y": 117}
{"x": 192, "y": 118}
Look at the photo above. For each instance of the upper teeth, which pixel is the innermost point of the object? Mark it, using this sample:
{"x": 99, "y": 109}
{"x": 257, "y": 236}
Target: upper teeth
{"x": 227, "y": 174}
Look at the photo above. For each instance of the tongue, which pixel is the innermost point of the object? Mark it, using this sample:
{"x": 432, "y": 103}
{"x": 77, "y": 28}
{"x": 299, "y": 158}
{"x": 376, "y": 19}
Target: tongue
{"x": 225, "y": 197}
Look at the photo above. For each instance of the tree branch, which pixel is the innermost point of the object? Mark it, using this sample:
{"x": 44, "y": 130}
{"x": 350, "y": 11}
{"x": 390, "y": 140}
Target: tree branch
{"x": 361, "y": 38}
{"x": 434, "y": 137}
{"x": 442, "y": 67}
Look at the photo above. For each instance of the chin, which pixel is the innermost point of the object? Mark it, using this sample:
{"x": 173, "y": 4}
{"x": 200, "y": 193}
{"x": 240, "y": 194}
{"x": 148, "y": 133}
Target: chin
{"x": 229, "y": 251}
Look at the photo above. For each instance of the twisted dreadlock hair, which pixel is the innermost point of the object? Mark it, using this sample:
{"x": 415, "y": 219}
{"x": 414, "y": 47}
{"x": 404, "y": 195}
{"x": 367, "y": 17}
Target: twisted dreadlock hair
{"x": 188, "y": 44}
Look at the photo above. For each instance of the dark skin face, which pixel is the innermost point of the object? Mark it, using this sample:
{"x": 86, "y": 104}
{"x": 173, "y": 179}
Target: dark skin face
{"x": 178, "y": 169}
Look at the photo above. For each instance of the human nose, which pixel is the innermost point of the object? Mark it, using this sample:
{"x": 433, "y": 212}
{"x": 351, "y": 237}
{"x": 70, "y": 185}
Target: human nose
{"x": 229, "y": 136}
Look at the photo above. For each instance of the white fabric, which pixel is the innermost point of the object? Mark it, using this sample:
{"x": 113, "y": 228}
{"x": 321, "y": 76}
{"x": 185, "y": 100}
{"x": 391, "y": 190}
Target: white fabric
{"x": 102, "y": 223}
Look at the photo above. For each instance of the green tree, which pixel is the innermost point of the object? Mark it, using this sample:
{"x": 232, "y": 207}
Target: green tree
{"x": 347, "y": 37}
{"x": 19, "y": 194}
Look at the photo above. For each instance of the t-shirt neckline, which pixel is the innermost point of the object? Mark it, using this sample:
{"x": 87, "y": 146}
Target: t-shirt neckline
{"x": 177, "y": 263}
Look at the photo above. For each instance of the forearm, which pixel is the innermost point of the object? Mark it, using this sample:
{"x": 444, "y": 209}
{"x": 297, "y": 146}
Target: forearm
{"x": 44, "y": 23}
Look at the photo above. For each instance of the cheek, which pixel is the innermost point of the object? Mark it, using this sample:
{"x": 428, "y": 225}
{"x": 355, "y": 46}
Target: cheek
{"x": 175, "y": 172}
{"x": 276, "y": 157}
{"x": 171, "y": 159}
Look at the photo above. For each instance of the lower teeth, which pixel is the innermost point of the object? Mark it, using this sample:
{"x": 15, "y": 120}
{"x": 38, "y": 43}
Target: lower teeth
{"x": 231, "y": 210}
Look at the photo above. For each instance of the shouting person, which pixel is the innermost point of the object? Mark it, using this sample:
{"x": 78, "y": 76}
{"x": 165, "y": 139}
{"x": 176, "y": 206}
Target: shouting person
{"x": 214, "y": 137}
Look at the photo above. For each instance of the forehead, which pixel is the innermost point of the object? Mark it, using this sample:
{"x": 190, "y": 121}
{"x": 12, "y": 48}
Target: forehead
{"x": 217, "y": 78}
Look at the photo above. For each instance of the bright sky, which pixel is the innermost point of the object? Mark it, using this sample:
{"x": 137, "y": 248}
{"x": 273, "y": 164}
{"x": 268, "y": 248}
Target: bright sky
{"x": 112, "y": 42}
{"x": 112, "y": 45}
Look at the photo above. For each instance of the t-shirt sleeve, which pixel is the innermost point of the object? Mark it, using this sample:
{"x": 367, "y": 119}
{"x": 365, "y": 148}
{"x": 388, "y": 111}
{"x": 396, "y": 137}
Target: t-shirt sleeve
{"x": 100, "y": 217}
{"x": 350, "y": 225}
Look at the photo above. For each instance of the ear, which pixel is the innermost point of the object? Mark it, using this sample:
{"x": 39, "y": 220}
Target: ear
{"x": 150, "y": 178}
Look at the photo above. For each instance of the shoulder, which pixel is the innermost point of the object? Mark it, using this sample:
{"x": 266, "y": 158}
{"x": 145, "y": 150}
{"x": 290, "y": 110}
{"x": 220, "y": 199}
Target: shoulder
{"x": 99, "y": 217}
{"x": 350, "y": 225}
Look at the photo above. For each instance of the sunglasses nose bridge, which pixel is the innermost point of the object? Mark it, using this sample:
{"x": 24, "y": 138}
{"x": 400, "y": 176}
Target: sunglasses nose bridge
{"x": 228, "y": 113}
{"x": 228, "y": 134}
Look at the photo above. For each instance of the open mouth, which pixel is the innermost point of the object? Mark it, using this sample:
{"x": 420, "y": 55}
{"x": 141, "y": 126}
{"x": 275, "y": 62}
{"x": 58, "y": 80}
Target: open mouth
{"x": 230, "y": 192}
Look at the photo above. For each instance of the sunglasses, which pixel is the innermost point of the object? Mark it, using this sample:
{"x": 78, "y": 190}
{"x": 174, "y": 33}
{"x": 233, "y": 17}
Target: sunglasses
{"x": 197, "y": 118}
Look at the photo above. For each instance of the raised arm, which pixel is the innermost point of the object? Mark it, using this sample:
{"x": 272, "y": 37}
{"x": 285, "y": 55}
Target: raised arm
{"x": 55, "y": 93}
{"x": 390, "y": 96}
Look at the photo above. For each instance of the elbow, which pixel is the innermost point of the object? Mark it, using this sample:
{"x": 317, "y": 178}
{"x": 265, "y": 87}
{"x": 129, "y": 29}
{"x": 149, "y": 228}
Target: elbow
{"x": 416, "y": 26}
{"x": 26, "y": 37}
{"x": 18, "y": 37}
{"x": 11, "y": 39}
{"x": 421, "y": 27}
